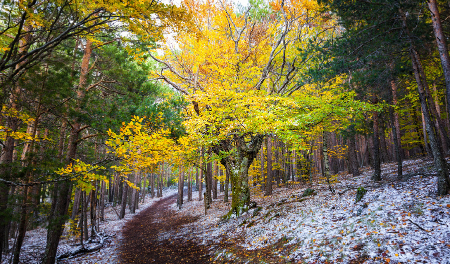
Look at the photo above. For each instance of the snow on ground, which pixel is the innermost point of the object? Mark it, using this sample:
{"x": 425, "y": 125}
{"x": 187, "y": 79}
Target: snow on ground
{"x": 397, "y": 221}
{"x": 34, "y": 244}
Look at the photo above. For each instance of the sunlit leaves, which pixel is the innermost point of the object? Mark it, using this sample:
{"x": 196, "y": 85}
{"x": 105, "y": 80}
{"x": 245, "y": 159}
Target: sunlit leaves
{"x": 83, "y": 174}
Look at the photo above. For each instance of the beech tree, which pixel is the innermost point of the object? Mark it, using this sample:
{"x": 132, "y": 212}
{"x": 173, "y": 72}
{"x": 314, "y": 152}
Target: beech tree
{"x": 235, "y": 69}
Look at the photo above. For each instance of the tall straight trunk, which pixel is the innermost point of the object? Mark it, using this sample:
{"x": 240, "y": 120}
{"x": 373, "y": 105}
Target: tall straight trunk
{"x": 221, "y": 182}
{"x": 376, "y": 144}
{"x": 263, "y": 178}
{"x": 180, "y": 188}
{"x": 326, "y": 161}
{"x": 439, "y": 124}
{"x": 383, "y": 146}
{"x": 288, "y": 164}
{"x": 439, "y": 161}
{"x": 144, "y": 187}
{"x": 152, "y": 184}
{"x": 133, "y": 194}
{"x": 269, "y": 167}
{"x": 93, "y": 211}
{"x": 76, "y": 204}
{"x": 197, "y": 186}
{"x": 83, "y": 205}
{"x": 396, "y": 116}
{"x": 208, "y": 180}
{"x": 276, "y": 172}
{"x": 161, "y": 187}
{"x": 8, "y": 150}
{"x": 214, "y": 180}
{"x": 84, "y": 219}
{"x": 111, "y": 188}
{"x": 442, "y": 46}
{"x": 352, "y": 159}
{"x": 227, "y": 184}
{"x": 124, "y": 200}
{"x": 27, "y": 160}
{"x": 57, "y": 219}
{"x": 397, "y": 147}
{"x": 425, "y": 137}
{"x": 189, "y": 185}
{"x": 102, "y": 201}
{"x": 200, "y": 184}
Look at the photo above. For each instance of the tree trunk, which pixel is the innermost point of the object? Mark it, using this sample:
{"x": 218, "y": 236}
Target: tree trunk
{"x": 442, "y": 46}
{"x": 83, "y": 211}
{"x": 102, "y": 201}
{"x": 263, "y": 178}
{"x": 133, "y": 193}
{"x": 208, "y": 180}
{"x": 237, "y": 165}
{"x": 124, "y": 200}
{"x": 214, "y": 180}
{"x": 76, "y": 204}
{"x": 269, "y": 167}
{"x": 352, "y": 160}
{"x": 397, "y": 147}
{"x": 227, "y": 184}
{"x": 180, "y": 188}
{"x": 63, "y": 192}
{"x": 200, "y": 184}
{"x": 197, "y": 185}
{"x": 439, "y": 161}
{"x": 152, "y": 184}
{"x": 396, "y": 117}
{"x": 326, "y": 162}
{"x": 93, "y": 211}
{"x": 189, "y": 185}
{"x": 376, "y": 144}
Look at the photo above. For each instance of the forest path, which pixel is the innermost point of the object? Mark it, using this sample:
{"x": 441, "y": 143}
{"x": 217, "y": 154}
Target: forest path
{"x": 144, "y": 239}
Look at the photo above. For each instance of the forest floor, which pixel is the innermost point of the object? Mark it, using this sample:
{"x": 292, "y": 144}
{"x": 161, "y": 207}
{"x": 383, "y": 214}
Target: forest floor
{"x": 397, "y": 221}
{"x": 35, "y": 240}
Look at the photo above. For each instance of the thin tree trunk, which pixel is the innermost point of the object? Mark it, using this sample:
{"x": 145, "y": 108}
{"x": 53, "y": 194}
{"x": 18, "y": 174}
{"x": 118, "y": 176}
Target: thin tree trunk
{"x": 180, "y": 188}
{"x": 102, "y": 201}
{"x": 227, "y": 184}
{"x": 124, "y": 200}
{"x": 396, "y": 116}
{"x": 397, "y": 147}
{"x": 83, "y": 205}
{"x": 93, "y": 211}
{"x": 326, "y": 162}
{"x": 352, "y": 160}
{"x": 200, "y": 184}
{"x": 189, "y": 185}
{"x": 376, "y": 144}
{"x": 214, "y": 180}
{"x": 152, "y": 184}
{"x": 208, "y": 178}
{"x": 263, "y": 178}
{"x": 269, "y": 167}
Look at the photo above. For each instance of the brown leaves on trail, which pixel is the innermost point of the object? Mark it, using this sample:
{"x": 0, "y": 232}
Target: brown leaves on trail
{"x": 142, "y": 241}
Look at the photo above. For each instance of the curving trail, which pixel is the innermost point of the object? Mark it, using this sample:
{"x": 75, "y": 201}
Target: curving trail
{"x": 140, "y": 243}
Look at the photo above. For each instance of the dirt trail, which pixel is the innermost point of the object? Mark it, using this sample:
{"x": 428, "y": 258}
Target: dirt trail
{"x": 144, "y": 241}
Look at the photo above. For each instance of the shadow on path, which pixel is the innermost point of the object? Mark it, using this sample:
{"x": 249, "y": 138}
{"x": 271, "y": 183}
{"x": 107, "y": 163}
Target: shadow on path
{"x": 144, "y": 241}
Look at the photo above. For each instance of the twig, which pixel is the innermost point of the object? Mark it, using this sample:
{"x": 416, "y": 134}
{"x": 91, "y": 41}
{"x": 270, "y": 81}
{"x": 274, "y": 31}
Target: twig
{"x": 421, "y": 228}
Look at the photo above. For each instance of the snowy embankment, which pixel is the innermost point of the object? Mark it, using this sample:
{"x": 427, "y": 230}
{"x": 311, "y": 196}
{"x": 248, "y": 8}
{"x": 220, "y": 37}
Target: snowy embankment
{"x": 396, "y": 221}
{"x": 35, "y": 240}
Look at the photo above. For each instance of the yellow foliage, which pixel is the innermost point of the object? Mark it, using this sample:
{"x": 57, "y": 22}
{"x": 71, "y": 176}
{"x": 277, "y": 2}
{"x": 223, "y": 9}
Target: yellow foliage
{"x": 83, "y": 174}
